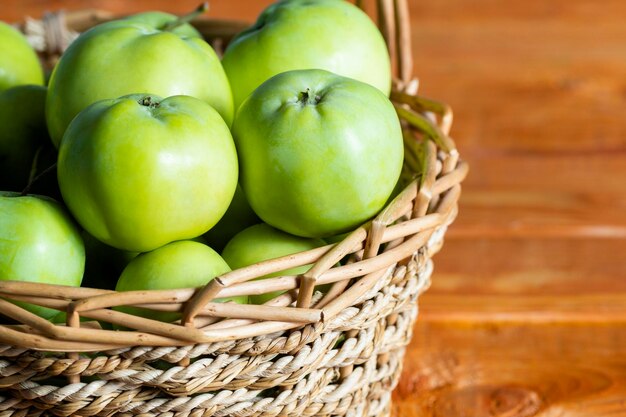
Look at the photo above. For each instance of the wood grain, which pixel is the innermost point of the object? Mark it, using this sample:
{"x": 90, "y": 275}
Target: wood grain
{"x": 529, "y": 76}
{"x": 513, "y": 370}
{"x": 538, "y": 90}
{"x": 525, "y": 309}
{"x": 525, "y": 316}
{"x": 530, "y": 266}
{"x": 544, "y": 195}
{"x": 539, "y": 94}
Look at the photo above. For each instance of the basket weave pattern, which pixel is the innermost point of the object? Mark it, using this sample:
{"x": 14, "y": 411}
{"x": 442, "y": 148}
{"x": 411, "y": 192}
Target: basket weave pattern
{"x": 304, "y": 364}
{"x": 301, "y": 354}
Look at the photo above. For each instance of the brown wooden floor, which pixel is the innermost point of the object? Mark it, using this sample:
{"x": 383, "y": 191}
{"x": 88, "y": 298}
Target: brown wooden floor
{"x": 527, "y": 312}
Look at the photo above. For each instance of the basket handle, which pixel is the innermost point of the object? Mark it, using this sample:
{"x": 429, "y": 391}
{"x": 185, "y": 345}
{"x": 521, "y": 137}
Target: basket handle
{"x": 395, "y": 25}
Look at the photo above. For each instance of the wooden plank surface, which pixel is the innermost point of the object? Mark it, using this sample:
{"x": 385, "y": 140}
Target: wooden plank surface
{"x": 513, "y": 371}
{"x": 527, "y": 312}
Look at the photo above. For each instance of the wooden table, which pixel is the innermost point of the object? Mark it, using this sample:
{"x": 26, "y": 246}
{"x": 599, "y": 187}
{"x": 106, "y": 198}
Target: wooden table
{"x": 527, "y": 312}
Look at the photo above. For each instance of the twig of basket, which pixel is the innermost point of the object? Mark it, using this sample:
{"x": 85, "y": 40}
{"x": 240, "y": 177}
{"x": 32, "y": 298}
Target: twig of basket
{"x": 165, "y": 334}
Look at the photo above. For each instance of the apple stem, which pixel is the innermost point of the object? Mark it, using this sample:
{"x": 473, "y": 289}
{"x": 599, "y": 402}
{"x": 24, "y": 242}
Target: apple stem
{"x": 33, "y": 166}
{"x": 307, "y": 98}
{"x": 148, "y": 102}
{"x": 32, "y": 181}
{"x": 170, "y": 26}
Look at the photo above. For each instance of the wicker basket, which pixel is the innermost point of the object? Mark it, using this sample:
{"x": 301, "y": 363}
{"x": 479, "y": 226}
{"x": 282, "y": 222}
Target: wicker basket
{"x": 302, "y": 353}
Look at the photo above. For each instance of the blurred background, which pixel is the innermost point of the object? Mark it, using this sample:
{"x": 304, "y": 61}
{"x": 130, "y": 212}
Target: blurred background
{"x": 527, "y": 312}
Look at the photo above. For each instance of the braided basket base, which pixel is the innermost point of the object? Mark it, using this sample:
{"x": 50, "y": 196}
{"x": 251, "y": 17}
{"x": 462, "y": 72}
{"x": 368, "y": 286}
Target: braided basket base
{"x": 347, "y": 366}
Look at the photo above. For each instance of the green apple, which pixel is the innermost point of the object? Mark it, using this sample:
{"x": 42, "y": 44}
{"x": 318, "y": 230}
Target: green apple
{"x": 39, "y": 242}
{"x": 319, "y": 153}
{"x": 182, "y": 264}
{"x": 332, "y": 35}
{"x": 139, "y": 172}
{"x": 22, "y": 133}
{"x": 238, "y": 216}
{"x": 262, "y": 242}
{"x": 18, "y": 61}
{"x": 133, "y": 56}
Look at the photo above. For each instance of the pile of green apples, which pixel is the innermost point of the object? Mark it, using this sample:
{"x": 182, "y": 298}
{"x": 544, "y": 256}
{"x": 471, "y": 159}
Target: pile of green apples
{"x": 147, "y": 154}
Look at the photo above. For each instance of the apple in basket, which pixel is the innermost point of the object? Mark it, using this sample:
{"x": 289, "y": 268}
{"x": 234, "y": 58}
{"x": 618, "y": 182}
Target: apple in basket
{"x": 319, "y": 153}
{"x": 332, "y": 35}
{"x": 39, "y": 242}
{"x": 182, "y": 264}
{"x": 18, "y": 61}
{"x": 262, "y": 242}
{"x": 144, "y": 54}
{"x": 139, "y": 172}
